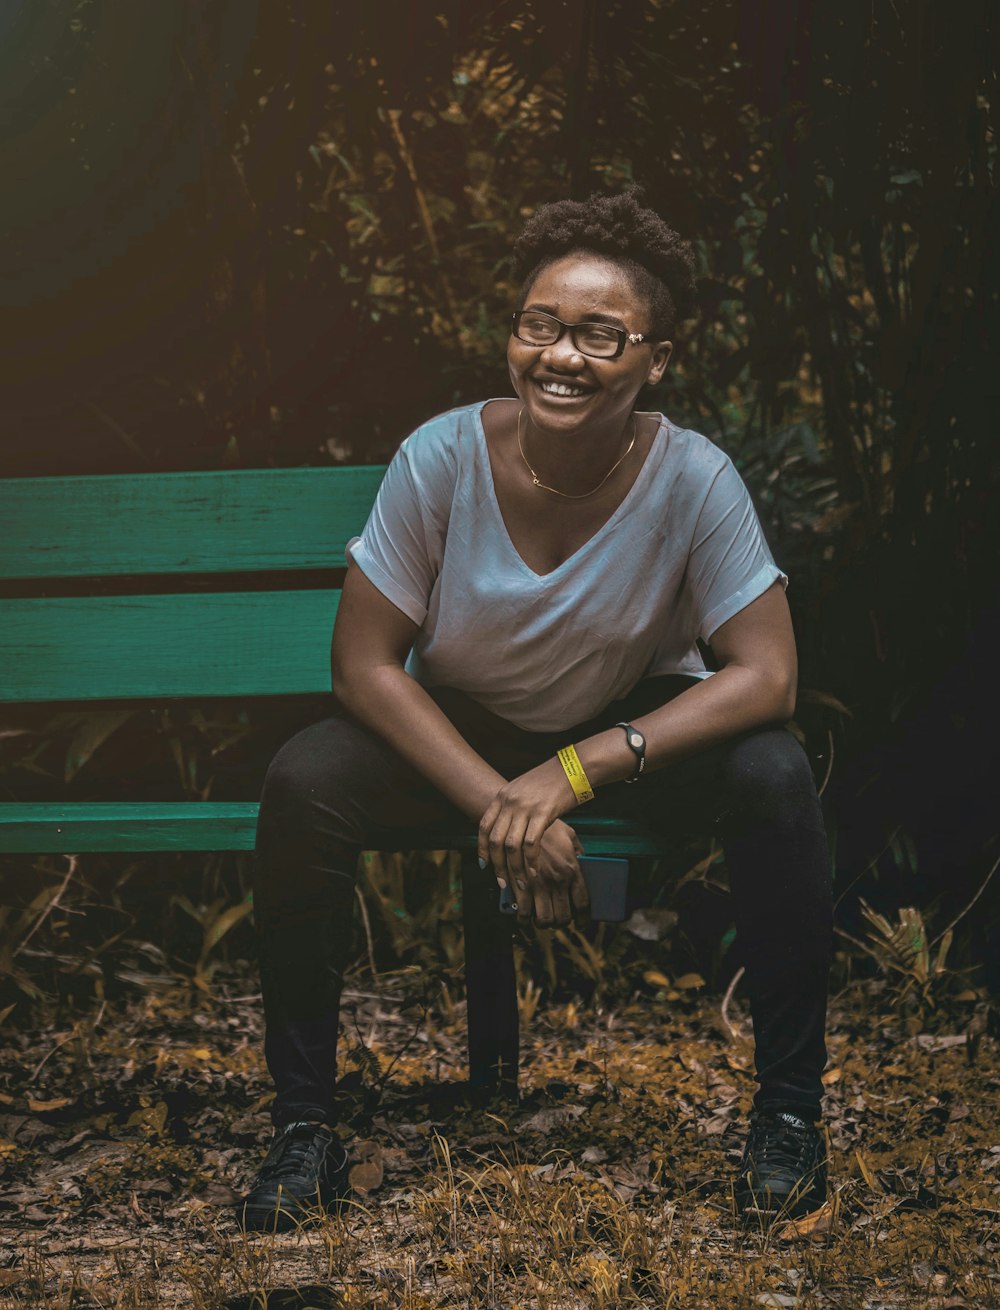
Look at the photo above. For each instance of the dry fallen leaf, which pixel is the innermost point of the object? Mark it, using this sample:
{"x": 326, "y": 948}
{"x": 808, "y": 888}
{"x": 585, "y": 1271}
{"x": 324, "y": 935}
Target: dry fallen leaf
{"x": 42, "y": 1107}
{"x": 866, "y": 1172}
{"x": 815, "y": 1224}
{"x": 547, "y": 1120}
{"x": 218, "y": 1193}
{"x": 367, "y": 1172}
{"x": 152, "y": 1119}
{"x": 939, "y": 1042}
{"x": 718, "y": 1124}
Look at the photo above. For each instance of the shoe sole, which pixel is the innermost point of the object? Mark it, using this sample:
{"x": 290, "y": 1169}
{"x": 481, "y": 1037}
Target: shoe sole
{"x": 267, "y": 1219}
{"x": 758, "y": 1214}
{"x": 279, "y": 1221}
{"x": 271, "y": 1221}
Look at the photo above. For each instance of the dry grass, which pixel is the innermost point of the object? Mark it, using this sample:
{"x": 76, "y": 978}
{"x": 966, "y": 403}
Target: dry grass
{"x": 608, "y": 1186}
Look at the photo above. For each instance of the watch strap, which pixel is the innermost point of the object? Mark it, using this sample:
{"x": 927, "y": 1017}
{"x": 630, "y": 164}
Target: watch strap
{"x": 637, "y": 745}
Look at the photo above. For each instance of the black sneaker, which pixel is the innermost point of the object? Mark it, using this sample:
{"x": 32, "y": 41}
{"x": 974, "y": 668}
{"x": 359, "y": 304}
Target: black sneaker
{"x": 783, "y": 1170}
{"x": 305, "y": 1172}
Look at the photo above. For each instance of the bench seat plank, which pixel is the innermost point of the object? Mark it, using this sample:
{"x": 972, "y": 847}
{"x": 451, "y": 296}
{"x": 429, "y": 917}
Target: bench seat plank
{"x": 53, "y": 828}
{"x": 245, "y": 521}
{"x": 127, "y": 647}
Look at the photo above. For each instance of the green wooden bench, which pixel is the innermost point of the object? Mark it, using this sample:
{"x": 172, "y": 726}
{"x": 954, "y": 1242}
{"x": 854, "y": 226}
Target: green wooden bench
{"x": 55, "y": 532}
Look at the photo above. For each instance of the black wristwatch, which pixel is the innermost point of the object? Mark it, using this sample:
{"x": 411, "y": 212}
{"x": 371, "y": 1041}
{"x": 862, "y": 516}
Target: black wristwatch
{"x": 637, "y": 745}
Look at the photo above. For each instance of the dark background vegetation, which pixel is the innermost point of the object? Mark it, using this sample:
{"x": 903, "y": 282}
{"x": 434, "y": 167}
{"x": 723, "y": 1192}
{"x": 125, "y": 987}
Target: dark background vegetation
{"x": 263, "y": 233}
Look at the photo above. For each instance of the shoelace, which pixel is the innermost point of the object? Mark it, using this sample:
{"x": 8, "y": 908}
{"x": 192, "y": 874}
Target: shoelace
{"x": 781, "y": 1139}
{"x": 293, "y": 1148}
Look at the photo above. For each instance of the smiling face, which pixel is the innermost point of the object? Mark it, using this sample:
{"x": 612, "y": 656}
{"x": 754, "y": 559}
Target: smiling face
{"x": 563, "y": 390}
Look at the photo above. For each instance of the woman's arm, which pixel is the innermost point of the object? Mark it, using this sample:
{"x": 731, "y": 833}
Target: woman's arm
{"x": 755, "y": 685}
{"x": 371, "y": 640}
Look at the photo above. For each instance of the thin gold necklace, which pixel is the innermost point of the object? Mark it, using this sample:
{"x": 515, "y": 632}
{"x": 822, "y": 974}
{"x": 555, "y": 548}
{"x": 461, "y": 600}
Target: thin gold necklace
{"x": 555, "y": 490}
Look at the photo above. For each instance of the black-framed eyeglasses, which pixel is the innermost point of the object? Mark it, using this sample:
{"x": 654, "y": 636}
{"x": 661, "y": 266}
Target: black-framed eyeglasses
{"x": 599, "y": 340}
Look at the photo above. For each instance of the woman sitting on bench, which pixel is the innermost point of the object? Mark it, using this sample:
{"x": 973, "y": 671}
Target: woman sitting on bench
{"x": 517, "y": 633}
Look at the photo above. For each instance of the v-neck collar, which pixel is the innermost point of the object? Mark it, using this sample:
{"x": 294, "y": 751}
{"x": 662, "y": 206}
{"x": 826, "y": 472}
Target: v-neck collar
{"x": 483, "y": 453}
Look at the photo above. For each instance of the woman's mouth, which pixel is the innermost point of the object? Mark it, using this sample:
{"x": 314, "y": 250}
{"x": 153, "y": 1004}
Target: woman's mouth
{"x": 563, "y": 390}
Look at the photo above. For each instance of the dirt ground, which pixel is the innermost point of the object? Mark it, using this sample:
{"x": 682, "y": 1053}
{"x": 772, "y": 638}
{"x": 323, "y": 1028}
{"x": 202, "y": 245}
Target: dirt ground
{"x": 127, "y": 1135}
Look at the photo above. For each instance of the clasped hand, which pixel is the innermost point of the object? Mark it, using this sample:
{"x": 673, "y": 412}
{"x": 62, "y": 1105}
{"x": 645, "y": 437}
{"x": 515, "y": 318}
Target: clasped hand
{"x": 531, "y": 849}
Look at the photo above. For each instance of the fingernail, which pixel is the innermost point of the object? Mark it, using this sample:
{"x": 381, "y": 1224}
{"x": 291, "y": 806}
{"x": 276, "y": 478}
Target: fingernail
{"x": 482, "y": 862}
{"x": 501, "y": 883}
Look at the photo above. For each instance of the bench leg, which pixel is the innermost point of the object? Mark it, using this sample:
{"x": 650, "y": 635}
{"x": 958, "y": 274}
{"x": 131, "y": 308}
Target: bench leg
{"x": 490, "y": 984}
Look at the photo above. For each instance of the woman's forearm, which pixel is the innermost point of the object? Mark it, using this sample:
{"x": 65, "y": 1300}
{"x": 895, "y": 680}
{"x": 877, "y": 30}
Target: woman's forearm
{"x": 386, "y": 699}
{"x": 755, "y": 686}
{"x": 732, "y": 701}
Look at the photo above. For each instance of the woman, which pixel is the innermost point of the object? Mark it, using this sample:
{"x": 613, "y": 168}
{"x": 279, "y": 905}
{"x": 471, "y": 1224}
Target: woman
{"x": 535, "y": 575}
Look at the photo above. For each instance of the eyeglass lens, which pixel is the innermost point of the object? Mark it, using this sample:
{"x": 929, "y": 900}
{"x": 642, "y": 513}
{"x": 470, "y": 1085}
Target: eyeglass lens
{"x": 538, "y": 329}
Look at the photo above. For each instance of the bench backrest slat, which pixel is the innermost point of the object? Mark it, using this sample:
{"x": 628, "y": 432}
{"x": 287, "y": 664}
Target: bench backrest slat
{"x": 247, "y": 520}
{"x": 127, "y": 647}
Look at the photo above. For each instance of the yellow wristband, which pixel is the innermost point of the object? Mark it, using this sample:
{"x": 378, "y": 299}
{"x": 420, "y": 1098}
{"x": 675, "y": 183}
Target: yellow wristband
{"x": 573, "y": 769}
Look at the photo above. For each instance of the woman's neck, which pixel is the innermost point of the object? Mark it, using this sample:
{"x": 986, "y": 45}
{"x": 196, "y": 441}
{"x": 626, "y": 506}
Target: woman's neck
{"x": 576, "y": 463}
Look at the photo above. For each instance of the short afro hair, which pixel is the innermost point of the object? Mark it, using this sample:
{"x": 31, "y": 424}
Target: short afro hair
{"x": 659, "y": 261}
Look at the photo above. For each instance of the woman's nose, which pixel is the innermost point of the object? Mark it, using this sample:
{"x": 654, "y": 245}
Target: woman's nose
{"x": 563, "y": 353}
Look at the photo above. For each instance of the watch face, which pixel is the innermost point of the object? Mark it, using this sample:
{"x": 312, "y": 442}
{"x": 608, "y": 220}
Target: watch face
{"x": 635, "y": 741}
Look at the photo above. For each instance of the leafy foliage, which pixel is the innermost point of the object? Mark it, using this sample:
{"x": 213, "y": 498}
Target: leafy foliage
{"x": 278, "y": 233}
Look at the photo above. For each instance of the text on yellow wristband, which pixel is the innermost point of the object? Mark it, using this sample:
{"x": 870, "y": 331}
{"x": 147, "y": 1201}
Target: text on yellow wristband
{"x": 578, "y": 779}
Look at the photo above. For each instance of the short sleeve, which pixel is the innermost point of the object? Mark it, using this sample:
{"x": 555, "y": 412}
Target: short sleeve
{"x": 401, "y": 546}
{"x": 729, "y": 564}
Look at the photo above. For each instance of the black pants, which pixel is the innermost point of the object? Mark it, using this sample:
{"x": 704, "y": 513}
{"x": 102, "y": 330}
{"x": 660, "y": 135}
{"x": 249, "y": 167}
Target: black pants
{"x": 333, "y": 782}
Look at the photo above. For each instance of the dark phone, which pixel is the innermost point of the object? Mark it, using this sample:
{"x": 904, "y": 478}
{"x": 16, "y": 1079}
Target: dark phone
{"x": 607, "y": 887}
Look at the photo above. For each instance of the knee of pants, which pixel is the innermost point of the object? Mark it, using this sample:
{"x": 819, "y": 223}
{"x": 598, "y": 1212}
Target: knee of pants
{"x": 291, "y": 775}
{"x": 768, "y": 775}
{"x": 309, "y": 828}
{"x": 316, "y": 770}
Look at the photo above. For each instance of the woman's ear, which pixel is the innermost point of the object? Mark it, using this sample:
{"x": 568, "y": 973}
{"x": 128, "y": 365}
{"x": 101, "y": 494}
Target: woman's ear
{"x": 658, "y": 364}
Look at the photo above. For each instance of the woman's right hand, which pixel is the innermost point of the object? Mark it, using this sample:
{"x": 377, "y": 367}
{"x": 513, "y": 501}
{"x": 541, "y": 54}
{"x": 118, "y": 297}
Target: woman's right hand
{"x": 551, "y": 890}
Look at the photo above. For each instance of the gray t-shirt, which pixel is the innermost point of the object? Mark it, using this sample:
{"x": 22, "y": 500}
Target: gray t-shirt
{"x": 683, "y": 553}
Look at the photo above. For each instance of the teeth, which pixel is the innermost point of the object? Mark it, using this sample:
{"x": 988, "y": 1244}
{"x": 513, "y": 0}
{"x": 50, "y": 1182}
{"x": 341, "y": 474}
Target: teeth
{"x": 561, "y": 389}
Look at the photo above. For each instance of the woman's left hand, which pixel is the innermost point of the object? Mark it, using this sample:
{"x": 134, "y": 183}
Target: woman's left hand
{"x": 516, "y": 820}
